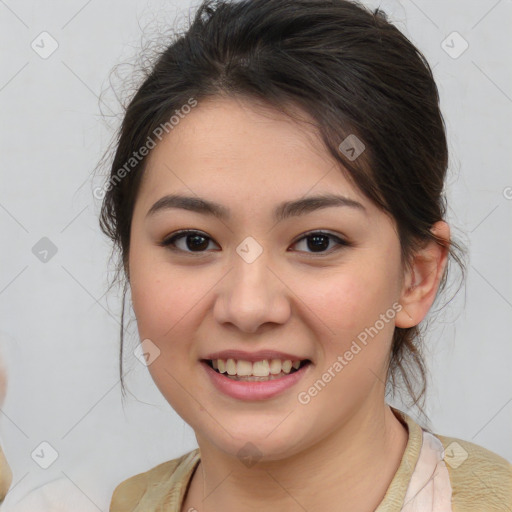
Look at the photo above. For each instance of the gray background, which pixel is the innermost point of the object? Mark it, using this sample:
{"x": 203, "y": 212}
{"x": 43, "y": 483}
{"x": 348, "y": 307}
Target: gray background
{"x": 59, "y": 328}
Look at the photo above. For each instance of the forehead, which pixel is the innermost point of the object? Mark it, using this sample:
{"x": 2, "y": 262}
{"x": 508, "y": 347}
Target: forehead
{"x": 236, "y": 148}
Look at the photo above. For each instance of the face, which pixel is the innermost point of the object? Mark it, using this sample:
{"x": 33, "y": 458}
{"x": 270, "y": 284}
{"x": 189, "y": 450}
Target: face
{"x": 258, "y": 282}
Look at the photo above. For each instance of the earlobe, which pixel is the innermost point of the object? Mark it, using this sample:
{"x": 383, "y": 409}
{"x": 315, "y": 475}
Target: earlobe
{"x": 423, "y": 277}
{"x": 404, "y": 319}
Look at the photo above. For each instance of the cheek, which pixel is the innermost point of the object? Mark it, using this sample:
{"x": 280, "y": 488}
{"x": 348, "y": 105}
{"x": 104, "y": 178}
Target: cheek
{"x": 162, "y": 295}
{"x": 163, "y": 302}
{"x": 355, "y": 351}
{"x": 349, "y": 298}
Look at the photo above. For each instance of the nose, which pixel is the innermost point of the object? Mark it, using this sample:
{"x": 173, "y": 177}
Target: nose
{"x": 251, "y": 295}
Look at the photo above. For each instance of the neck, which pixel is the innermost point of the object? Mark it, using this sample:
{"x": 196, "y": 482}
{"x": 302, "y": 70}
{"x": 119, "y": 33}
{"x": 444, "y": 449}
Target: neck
{"x": 351, "y": 468}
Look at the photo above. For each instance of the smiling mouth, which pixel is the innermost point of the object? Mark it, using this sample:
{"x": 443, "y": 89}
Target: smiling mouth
{"x": 259, "y": 371}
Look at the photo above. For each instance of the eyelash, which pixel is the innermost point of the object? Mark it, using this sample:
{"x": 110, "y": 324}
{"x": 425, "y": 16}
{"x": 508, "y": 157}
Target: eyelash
{"x": 170, "y": 241}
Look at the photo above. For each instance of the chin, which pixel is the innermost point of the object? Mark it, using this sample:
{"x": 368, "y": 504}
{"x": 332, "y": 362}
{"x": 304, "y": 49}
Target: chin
{"x": 259, "y": 443}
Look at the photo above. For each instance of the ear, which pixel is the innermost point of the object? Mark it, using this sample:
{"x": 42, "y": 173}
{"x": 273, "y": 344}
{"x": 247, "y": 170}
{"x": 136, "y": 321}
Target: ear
{"x": 422, "y": 278}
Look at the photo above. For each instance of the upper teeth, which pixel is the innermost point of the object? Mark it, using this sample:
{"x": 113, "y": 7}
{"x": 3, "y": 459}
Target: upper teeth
{"x": 258, "y": 369}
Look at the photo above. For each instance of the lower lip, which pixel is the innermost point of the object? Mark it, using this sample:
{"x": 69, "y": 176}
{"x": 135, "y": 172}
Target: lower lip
{"x": 253, "y": 390}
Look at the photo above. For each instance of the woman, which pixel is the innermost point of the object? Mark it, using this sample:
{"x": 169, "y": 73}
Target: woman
{"x": 277, "y": 198}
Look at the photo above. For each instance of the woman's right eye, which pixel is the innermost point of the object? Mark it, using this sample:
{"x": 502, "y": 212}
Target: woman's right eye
{"x": 192, "y": 241}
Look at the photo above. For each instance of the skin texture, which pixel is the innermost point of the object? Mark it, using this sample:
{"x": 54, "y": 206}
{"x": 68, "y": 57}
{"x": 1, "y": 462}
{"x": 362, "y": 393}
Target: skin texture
{"x": 346, "y": 444}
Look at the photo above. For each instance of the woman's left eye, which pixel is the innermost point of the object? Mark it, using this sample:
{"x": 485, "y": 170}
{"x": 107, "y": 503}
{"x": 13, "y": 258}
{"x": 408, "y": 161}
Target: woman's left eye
{"x": 320, "y": 240}
{"x": 196, "y": 242}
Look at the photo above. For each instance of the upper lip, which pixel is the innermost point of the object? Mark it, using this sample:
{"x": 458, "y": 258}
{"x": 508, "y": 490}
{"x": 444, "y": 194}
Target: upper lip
{"x": 253, "y": 356}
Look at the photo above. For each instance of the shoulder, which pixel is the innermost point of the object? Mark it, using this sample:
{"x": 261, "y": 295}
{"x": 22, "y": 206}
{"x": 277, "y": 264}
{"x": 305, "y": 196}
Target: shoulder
{"x": 481, "y": 479}
{"x": 130, "y": 492}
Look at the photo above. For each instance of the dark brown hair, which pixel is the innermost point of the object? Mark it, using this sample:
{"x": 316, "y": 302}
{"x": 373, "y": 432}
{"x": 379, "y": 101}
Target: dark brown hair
{"x": 352, "y": 72}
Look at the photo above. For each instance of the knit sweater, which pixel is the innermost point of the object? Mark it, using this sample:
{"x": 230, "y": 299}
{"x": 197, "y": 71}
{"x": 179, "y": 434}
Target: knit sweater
{"x": 436, "y": 474}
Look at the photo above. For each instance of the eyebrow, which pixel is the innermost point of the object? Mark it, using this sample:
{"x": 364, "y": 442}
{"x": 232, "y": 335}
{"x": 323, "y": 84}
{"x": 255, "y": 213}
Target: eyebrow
{"x": 283, "y": 211}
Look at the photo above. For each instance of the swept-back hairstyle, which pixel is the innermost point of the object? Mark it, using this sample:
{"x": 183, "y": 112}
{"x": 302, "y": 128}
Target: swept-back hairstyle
{"x": 352, "y": 72}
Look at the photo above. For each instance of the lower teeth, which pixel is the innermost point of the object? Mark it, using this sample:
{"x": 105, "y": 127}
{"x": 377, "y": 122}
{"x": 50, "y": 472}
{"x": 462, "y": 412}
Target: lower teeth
{"x": 252, "y": 378}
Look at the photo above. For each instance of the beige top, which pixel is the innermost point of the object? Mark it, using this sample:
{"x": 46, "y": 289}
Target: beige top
{"x": 436, "y": 474}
